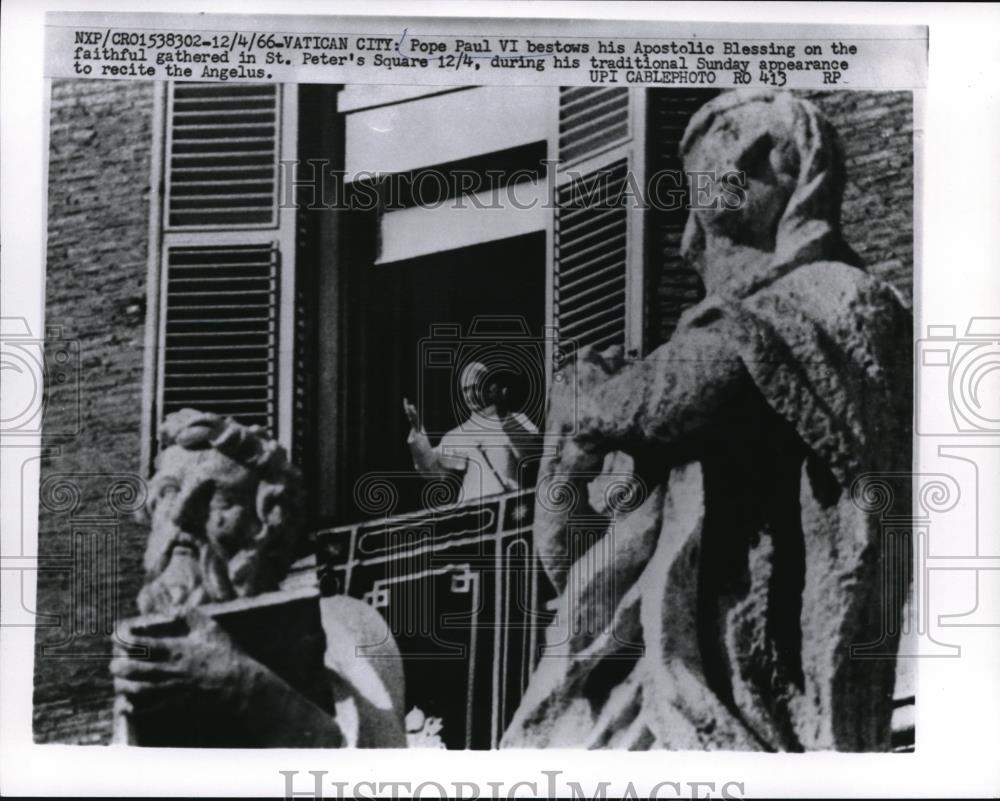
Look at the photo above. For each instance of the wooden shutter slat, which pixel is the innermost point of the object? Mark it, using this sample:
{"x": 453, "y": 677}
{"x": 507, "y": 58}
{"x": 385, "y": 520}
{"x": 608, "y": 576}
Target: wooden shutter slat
{"x": 234, "y": 293}
{"x": 196, "y": 354}
{"x": 592, "y": 329}
{"x": 593, "y": 308}
{"x": 226, "y": 122}
{"x": 244, "y": 409}
{"x": 604, "y": 138}
{"x": 565, "y": 230}
{"x": 220, "y": 320}
{"x": 202, "y": 308}
{"x": 612, "y": 245}
{"x": 611, "y": 269}
{"x": 583, "y": 237}
{"x": 206, "y": 182}
{"x": 211, "y": 280}
{"x": 191, "y": 92}
{"x": 589, "y": 110}
{"x": 608, "y": 284}
{"x": 571, "y": 97}
{"x": 207, "y": 389}
{"x": 591, "y": 124}
{"x": 584, "y": 189}
{"x": 591, "y": 120}
{"x": 206, "y": 163}
{"x": 208, "y": 362}
{"x": 180, "y": 174}
{"x": 248, "y": 337}
{"x": 240, "y": 219}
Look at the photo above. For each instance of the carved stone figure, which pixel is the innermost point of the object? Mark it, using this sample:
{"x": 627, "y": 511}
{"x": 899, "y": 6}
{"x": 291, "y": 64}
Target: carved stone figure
{"x": 224, "y": 507}
{"x": 224, "y": 510}
{"x": 729, "y": 602}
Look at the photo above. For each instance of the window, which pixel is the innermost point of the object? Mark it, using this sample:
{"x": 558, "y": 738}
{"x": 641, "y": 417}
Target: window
{"x": 308, "y": 322}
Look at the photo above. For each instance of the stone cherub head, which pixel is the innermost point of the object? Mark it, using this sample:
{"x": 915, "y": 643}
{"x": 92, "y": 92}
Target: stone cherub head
{"x": 224, "y": 507}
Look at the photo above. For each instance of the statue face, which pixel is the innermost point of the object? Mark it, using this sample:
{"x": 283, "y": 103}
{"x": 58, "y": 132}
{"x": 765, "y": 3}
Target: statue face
{"x": 743, "y": 143}
{"x": 203, "y": 508}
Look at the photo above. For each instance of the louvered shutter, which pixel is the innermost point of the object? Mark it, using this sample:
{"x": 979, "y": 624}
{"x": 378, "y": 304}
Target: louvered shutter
{"x": 226, "y": 255}
{"x": 591, "y": 258}
{"x": 591, "y": 120}
{"x": 596, "y": 270}
{"x": 221, "y": 331}
{"x": 222, "y": 156}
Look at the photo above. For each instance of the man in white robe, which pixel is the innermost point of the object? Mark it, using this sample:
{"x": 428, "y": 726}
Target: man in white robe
{"x": 493, "y": 451}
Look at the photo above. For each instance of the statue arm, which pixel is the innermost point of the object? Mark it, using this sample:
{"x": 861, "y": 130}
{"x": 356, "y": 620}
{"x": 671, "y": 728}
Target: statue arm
{"x": 657, "y": 410}
{"x": 669, "y": 398}
{"x": 205, "y": 670}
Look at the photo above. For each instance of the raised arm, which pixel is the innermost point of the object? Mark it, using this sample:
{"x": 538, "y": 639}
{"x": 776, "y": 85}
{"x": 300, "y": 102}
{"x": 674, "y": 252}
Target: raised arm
{"x": 427, "y": 460}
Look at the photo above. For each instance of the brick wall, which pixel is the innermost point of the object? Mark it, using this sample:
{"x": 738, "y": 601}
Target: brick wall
{"x": 876, "y": 131}
{"x": 98, "y": 207}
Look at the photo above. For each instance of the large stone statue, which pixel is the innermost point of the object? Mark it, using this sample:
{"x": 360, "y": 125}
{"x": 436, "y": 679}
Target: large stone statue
{"x": 721, "y": 606}
{"x": 224, "y": 509}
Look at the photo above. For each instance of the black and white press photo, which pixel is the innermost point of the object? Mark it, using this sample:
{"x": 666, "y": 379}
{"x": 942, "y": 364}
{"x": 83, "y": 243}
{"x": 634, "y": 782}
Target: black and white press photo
{"x": 480, "y": 385}
{"x": 572, "y": 417}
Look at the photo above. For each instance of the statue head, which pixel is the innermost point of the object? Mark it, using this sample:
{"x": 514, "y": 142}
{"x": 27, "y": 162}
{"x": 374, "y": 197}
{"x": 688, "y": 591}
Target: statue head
{"x": 771, "y": 168}
{"x": 223, "y": 507}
